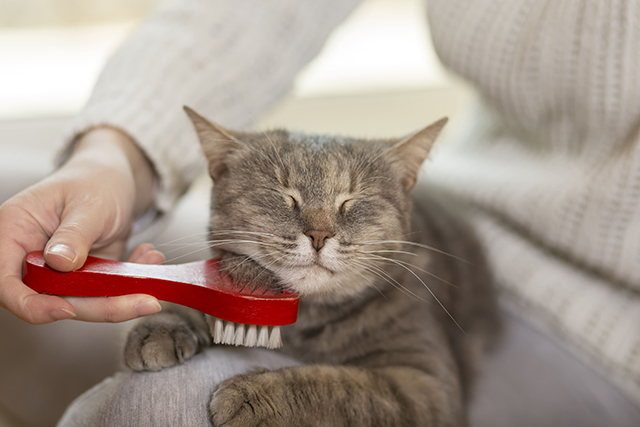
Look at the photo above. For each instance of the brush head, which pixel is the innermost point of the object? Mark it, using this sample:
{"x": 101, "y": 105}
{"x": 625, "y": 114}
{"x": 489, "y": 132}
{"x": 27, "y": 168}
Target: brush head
{"x": 200, "y": 285}
{"x": 238, "y": 334}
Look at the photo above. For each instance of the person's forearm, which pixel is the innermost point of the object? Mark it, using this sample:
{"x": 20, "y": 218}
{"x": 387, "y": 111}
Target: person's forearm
{"x": 229, "y": 60}
{"x": 113, "y": 148}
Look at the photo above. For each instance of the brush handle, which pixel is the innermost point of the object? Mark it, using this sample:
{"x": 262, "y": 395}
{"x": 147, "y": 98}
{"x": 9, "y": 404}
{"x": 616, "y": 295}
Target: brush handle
{"x": 199, "y": 285}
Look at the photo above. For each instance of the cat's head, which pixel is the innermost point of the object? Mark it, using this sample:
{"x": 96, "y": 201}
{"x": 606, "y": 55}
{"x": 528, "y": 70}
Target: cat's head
{"x": 314, "y": 210}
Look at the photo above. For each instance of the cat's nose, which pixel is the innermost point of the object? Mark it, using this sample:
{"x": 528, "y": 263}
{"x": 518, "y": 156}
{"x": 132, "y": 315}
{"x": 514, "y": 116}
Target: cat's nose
{"x": 318, "y": 237}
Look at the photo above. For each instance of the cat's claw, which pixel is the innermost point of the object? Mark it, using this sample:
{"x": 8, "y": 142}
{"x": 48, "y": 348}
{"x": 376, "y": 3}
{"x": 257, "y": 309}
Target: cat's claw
{"x": 256, "y": 399}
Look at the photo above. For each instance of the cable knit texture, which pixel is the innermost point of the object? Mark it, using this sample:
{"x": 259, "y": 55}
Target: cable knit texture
{"x": 550, "y": 156}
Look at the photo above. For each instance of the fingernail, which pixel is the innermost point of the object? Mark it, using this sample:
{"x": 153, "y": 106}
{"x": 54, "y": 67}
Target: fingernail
{"x": 62, "y": 314}
{"x": 147, "y": 307}
{"x": 62, "y": 250}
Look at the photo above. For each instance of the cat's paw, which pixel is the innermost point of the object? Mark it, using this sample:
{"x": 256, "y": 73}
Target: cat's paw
{"x": 256, "y": 399}
{"x": 160, "y": 341}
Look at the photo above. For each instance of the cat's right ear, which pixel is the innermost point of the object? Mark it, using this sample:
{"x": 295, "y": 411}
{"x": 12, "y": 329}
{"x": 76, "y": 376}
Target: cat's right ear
{"x": 216, "y": 141}
{"x": 412, "y": 151}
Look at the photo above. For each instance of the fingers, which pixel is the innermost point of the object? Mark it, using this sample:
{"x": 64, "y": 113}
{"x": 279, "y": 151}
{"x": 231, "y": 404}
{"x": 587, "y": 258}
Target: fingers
{"x": 19, "y": 234}
{"x": 32, "y": 307}
{"x": 114, "y": 309}
{"x": 127, "y": 307}
{"x": 80, "y": 228}
{"x": 86, "y": 204}
{"x": 39, "y": 309}
{"x": 21, "y": 300}
{"x": 146, "y": 254}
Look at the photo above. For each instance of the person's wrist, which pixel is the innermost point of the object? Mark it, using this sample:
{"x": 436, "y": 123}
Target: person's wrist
{"x": 113, "y": 148}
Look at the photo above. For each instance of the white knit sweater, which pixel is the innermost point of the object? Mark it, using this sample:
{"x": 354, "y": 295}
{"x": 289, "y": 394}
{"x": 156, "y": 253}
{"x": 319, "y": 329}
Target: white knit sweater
{"x": 549, "y": 157}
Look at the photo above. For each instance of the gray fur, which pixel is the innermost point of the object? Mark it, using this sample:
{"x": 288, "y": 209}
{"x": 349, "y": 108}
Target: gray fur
{"x": 391, "y": 341}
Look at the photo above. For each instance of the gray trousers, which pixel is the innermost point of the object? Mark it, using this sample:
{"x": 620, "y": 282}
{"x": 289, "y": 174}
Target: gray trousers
{"x": 529, "y": 381}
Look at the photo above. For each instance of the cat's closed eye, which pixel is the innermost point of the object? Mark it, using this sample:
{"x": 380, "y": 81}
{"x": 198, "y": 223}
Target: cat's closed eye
{"x": 345, "y": 205}
{"x": 292, "y": 201}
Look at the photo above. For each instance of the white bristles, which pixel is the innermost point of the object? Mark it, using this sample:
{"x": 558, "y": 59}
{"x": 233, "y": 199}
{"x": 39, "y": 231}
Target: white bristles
{"x": 251, "y": 339}
{"x": 263, "y": 336}
{"x": 229, "y": 332}
{"x": 218, "y": 330}
{"x": 275, "y": 340}
{"x": 225, "y": 332}
{"x": 239, "y": 337}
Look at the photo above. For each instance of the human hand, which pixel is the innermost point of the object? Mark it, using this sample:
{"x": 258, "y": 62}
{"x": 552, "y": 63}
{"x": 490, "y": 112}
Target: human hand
{"x": 87, "y": 204}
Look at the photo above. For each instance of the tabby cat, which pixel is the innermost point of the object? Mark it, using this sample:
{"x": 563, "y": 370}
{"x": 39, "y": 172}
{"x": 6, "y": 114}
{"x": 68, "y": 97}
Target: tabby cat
{"x": 396, "y": 304}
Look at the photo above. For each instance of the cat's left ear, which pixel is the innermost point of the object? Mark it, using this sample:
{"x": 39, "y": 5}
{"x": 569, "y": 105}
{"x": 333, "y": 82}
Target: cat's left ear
{"x": 413, "y": 150}
{"x": 217, "y": 142}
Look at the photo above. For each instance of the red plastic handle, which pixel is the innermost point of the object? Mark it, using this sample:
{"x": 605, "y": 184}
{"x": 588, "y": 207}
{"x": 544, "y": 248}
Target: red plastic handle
{"x": 199, "y": 285}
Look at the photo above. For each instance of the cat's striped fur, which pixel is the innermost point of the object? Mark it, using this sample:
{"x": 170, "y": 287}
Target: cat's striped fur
{"x": 396, "y": 299}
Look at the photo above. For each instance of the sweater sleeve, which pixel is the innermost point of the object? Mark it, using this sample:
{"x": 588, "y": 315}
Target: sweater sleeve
{"x": 229, "y": 60}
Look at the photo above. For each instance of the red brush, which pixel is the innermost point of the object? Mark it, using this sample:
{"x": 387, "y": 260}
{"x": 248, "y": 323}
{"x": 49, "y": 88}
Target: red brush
{"x": 243, "y": 315}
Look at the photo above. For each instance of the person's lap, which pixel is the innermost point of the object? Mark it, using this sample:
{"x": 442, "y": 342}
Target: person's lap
{"x": 529, "y": 380}
{"x": 177, "y": 396}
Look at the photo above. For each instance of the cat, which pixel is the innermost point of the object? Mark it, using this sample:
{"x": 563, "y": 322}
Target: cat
{"x": 396, "y": 302}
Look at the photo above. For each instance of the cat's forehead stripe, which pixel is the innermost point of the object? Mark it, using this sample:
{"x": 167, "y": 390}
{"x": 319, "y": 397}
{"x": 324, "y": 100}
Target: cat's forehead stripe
{"x": 315, "y": 141}
{"x": 318, "y": 166}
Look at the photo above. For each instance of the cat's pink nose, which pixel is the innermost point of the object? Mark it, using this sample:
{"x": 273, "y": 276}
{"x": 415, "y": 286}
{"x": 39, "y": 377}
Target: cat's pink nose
{"x": 318, "y": 237}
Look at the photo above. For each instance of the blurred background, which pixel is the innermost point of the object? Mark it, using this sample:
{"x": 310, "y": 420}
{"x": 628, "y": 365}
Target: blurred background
{"x": 377, "y": 76}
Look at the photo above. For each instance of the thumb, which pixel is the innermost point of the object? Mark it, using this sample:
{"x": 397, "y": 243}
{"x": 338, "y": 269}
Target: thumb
{"x": 69, "y": 245}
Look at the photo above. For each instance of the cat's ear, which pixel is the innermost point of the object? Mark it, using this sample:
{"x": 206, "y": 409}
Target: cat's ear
{"x": 217, "y": 142}
{"x": 413, "y": 150}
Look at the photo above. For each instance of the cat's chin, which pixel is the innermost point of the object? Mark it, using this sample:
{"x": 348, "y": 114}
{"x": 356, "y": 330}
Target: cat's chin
{"x": 316, "y": 283}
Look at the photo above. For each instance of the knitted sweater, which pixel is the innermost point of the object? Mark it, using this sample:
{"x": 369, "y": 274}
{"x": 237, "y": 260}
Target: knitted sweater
{"x": 549, "y": 157}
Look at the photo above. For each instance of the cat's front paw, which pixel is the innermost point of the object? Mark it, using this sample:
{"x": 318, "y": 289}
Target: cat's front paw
{"x": 256, "y": 399}
{"x": 160, "y": 341}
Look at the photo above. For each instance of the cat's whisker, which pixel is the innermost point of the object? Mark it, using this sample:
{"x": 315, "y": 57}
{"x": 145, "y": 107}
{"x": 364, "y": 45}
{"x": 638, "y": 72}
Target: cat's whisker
{"x": 408, "y": 264}
{"x": 245, "y": 145}
{"x": 170, "y": 260}
{"x": 264, "y": 268}
{"x": 255, "y": 121}
{"x": 174, "y": 242}
{"x": 179, "y": 246}
{"x": 257, "y": 233}
{"x": 420, "y": 245}
{"x": 217, "y": 242}
{"x": 203, "y": 244}
{"x": 246, "y": 259}
{"x": 263, "y": 154}
{"x": 209, "y": 245}
{"x": 277, "y": 244}
{"x": 380, "y": 272}
{"x": 275, "y": 150}
{"x": 389, "y": 251}
{"x": 231, "y": 258}
{"x": 372, "y": 283}
{"x": 370, "y": 162}
{"x": 430, "y": 291}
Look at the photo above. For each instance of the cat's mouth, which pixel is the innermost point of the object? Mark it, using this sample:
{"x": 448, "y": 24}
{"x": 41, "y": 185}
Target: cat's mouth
{"x": 316, "y": 264}
{"x": 309, "y": 274}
